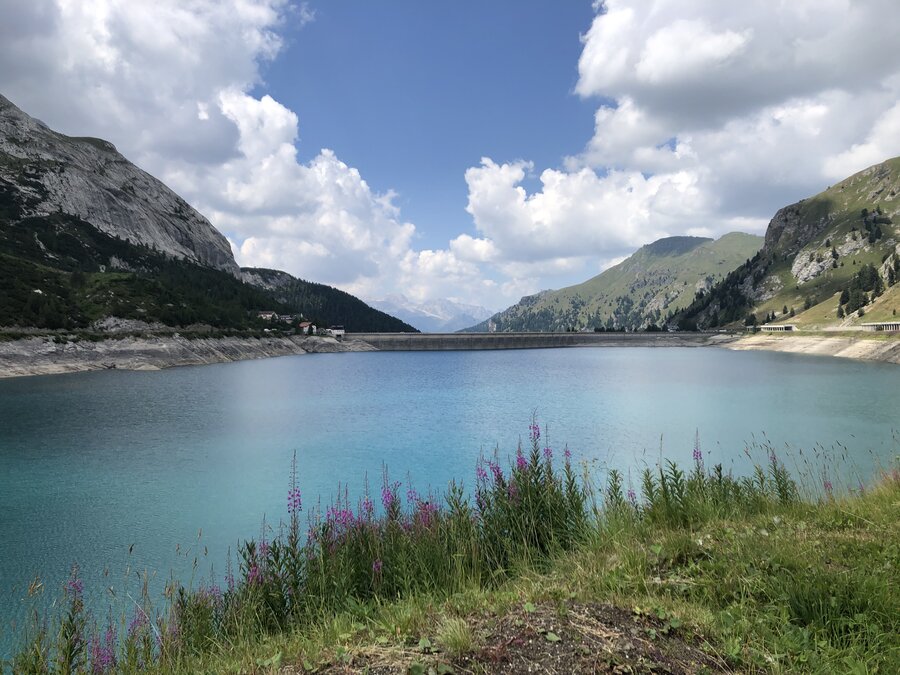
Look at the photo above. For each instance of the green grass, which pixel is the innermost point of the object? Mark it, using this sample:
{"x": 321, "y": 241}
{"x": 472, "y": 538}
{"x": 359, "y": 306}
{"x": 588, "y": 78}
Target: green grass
{"x": 809, "y": 587}
{"x": 767, "y": 574}
{"x": 657, "y": 279}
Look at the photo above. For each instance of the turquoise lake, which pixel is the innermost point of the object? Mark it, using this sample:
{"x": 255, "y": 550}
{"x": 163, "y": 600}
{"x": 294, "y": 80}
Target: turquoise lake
{"x": 94, "y": 464}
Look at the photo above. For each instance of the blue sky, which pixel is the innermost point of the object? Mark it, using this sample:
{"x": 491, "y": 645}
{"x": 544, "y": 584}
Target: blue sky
{"x": 413, "y": 93}
{"x": 476, "y": 151}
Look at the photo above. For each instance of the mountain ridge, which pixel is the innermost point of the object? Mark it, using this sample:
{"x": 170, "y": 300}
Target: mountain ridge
{"x": 88, "y": 178}
{"x": 815, "y": 250}
{"x": 642, "y": 290}
{"x": 435, "y": 316}
{"x": 86, "y": 235}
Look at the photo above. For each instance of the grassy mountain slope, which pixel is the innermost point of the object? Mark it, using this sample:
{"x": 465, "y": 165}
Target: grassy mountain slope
{"x": 813, "y": 250}
{"x": 644, "y": 289}
{"x": 58, "y": 271}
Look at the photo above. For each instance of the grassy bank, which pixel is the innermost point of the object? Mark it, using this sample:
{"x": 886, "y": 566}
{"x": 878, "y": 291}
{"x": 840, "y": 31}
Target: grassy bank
{"x": 688, "y": 571}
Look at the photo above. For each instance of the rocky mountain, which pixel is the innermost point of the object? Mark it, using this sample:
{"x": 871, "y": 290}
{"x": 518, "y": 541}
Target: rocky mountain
{"x": 436, "y": 316}
{"x": 818, "y": 253}
{"x": 88, "y": 178}
{"x": 85, "y": 235}
{"x": 645, "y": 289}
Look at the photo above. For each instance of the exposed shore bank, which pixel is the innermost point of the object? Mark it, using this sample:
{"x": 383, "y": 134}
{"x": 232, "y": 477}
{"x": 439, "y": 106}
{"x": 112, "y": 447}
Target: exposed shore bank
{"x": 882, "y": 348}
{"x": 44, "y": 356}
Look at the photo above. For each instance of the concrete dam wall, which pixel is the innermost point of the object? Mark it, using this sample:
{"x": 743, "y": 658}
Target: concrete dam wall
{"x": 465, "y": 341}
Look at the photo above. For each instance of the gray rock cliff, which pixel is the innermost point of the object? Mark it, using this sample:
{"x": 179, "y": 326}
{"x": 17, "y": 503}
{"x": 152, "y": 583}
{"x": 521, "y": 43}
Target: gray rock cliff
{"x": 89, "y": 178}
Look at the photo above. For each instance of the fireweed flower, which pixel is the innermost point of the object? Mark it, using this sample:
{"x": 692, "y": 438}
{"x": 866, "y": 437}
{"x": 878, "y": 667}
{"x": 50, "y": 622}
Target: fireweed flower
{"x": 632, "y": 497}
{"x": 295, "y": 503}
{"x": 512, "y": 491}
{"x": 254, "y": 575}
{"x": 480, "y": 473}
{"x": 137, "y": 623}
{"x": 427, "y": 511}
{"x": 387, "y": 494}
{"x": 698, "y": 456}
{"x": 103, "y": 654}
{"x": 828, "y": 487}
{"x": 521, "y": 462}
{"x": 75, "y": 586}
{"x": 535, "y": 432}
{"x": 412, "y": 497}
{"x": 496, "y": 470}
{"x": 567, "y": 453}
{"x": 377, "y": 565}
{"x": 548, "y": 453}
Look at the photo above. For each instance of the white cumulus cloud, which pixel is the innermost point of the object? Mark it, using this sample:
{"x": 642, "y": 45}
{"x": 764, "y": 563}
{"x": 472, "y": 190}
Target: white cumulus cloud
{"x": 710, "y": 117}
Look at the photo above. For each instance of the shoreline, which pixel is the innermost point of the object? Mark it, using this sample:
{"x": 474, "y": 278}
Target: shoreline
{"x": 43, "y": 356}
{"x": 880, "y": 349}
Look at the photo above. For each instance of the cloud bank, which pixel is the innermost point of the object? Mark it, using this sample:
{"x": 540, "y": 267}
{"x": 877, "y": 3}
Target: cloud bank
{"x": 709, "y": 117}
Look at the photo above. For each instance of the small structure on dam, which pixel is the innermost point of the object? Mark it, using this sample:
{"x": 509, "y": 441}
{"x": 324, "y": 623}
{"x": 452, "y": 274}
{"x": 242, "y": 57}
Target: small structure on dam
{"x": 879, "y": 326}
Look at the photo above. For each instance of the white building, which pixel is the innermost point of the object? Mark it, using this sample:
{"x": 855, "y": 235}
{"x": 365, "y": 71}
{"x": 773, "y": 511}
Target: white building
{"x": 882, "y": 326}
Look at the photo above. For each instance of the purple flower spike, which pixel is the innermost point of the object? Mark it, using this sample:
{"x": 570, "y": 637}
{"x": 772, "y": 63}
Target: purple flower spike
{"x": 512, "y": 491}
{"x": 632, "y": 497}
{"x": 103, "y": 654}
{"x": 548, "y": 453}
{"x": 535, "y": 432}
{"x": 387, "y": 495}
{"x": 480, "y": 474}
{"x": 567, "y": 453}
{"x": 254, "y": 575}
{"x": 138, "y": 621}
{"x": 521, "y": 463}
{"x": 377, "y": 565}
{"x": 497, "y": 471}
{"x": 295, "y": 503}
{"x": 75, "y": 586}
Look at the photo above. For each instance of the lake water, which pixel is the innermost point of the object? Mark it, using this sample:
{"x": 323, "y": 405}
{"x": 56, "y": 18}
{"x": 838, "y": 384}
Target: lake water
{"x": 92, "y": 464}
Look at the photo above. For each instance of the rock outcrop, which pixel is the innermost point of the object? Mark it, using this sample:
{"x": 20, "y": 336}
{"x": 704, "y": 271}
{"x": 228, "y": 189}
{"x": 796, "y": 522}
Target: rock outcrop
{"x": 88, "y": 178}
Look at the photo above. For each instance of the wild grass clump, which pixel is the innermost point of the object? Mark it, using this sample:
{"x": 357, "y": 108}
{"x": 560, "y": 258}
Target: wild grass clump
{"x": 520, "y": 516}
{"x": 677, "y": 498}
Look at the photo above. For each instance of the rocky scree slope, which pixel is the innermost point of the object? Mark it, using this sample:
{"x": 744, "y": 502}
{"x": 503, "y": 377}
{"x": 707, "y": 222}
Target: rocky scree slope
{"x": 814, "y": 250}
{"x": 643, "y": 290}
